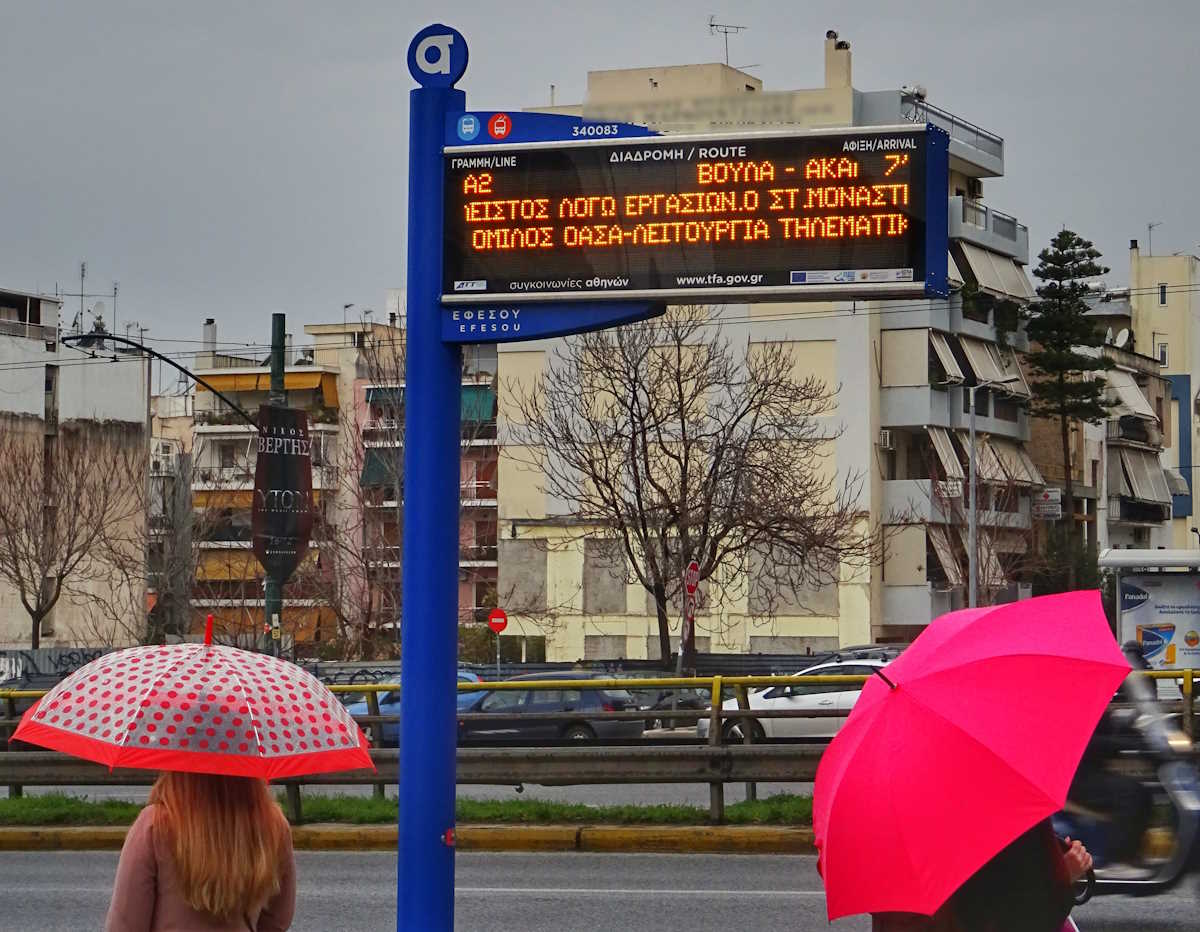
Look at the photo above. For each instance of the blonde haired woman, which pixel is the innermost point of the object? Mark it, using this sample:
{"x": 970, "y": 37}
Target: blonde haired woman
{"x": 209, "y": 854}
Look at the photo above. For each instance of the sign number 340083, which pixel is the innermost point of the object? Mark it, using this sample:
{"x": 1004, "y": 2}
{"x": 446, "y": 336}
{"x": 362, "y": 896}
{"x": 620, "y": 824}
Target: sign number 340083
{"x": 596, "y": 129}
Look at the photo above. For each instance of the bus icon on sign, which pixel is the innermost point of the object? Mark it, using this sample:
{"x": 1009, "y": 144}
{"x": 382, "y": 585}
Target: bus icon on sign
{"x": 468, "y": 127}
{"x": 499, "y": 126}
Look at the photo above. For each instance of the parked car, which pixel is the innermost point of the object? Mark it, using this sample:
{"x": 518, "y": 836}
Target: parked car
{"x": 688, "y": 698}
{"x": 389, "y": 704}
{"x": 508, "y": 713}
{"x": 839, "y": 698}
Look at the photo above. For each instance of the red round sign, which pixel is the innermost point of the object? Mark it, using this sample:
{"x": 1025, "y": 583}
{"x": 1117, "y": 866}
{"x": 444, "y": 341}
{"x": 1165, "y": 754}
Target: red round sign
{"x": 499, "y": 126}
{"x": 497, "y": 620}
{"x": 691, "y": 579}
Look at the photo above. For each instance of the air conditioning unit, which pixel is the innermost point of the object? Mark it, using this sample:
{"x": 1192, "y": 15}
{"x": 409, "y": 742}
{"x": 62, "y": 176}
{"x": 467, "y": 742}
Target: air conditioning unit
{"x": 886, "y": 441}
{"x": 975, "y": 188}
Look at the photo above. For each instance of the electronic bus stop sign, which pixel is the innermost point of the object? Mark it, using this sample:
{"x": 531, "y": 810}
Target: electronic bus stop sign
{"x": 523, "y": 226}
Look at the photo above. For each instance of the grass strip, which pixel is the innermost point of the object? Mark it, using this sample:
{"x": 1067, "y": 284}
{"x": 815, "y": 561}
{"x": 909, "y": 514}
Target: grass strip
{"x": 367, "y": 810}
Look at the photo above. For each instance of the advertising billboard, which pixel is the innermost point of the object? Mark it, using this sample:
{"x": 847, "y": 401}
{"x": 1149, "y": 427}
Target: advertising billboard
{"x": 1161, "y": 611}
{"x": 757, "y": 216}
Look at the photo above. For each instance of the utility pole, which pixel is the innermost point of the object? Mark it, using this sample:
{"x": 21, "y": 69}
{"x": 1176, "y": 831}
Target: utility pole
{"x": 273, "y": 589}
{"x": 149, "y": 469}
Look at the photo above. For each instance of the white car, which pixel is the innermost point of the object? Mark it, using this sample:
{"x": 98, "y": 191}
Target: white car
{"x": 817, "y": 697}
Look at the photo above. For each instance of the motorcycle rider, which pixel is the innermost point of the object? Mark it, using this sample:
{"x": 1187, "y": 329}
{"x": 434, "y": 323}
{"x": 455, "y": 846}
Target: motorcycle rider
{"x": 1109, "y": 811}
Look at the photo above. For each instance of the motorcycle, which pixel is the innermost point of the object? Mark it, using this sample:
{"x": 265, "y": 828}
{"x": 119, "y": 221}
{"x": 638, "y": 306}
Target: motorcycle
{"x": 1143, "y": 751}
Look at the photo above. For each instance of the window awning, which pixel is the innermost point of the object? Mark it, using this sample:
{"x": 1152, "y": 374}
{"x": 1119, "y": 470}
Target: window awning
{"x": 1129, "y": 398}
{"x": 391, "y": 396}
{"x": 260, "y": 381}
{"x": 1145, "y": 474}
{"x": 946, "y": 453}
{"x": 1009, "y": 365}
{"x": 945, "y": 554}
{"x": 381, "y": 467}
{"x": 478, "y": 403}
{"x": 1013, "y": 461}
{"x": 998, "y": 275}
{"x": 953, "y": 276}
{"x": 1031, "y": 467}
{"x": 991, "y": 570}
{"x": 987, "y": 463}
{"x": 984, "y": 364}
{"x": 1176, "y": 483}
{"x": 941, "y": 347}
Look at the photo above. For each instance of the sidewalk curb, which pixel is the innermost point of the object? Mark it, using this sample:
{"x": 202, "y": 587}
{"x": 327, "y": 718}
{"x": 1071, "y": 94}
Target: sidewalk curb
{"x": 647, "y": 839}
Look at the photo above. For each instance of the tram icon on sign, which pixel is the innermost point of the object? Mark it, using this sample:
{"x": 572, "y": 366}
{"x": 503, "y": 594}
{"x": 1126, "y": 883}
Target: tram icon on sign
{"x": 500, "y": 125}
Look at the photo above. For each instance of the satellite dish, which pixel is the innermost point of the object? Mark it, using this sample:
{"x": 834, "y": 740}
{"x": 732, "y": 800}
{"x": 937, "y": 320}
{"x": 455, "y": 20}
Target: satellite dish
{"x": 98, "y": 310}
{"x": 1123, "y": 338}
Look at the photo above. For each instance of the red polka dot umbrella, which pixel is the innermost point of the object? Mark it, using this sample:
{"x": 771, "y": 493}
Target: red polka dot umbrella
{"x": 202, "y": 708}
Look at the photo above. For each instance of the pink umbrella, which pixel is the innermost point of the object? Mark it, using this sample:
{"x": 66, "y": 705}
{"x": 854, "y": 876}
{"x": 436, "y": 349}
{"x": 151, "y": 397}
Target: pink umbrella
{"x": 972, "y": 739}
{"x": 201, "y": 708}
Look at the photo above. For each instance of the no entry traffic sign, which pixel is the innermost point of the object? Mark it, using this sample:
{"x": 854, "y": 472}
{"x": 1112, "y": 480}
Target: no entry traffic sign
{"x": 497, "y": 620}
{"x": 691, "y": 578}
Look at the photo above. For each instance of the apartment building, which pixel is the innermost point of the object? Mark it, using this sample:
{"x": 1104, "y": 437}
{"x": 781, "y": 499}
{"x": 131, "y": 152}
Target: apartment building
{"x": 228, "y": 580}
{"x": 59, "y": 393}
{"x": 1164, "y": 298}
{"x": 382, "y": 431}
{"x": 905, "y": 371}
{"x": 1122, "y": 468}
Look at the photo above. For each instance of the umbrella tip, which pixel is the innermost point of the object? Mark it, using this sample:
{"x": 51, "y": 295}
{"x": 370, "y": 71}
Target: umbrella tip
{"x": 208, "y": 622}
{"x": 883, "y": 676}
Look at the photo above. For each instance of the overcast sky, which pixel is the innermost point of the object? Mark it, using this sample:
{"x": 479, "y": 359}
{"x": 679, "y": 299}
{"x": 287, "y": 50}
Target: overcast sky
{"x": 232, "y": 159}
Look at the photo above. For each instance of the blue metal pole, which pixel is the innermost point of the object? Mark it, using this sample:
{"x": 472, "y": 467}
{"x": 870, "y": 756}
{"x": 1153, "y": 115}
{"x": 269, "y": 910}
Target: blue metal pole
{"x": 429, "y": 630}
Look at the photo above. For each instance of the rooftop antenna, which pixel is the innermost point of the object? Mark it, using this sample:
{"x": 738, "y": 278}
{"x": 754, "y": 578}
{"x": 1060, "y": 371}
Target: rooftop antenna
{"x": 1150, "y": 236}
{"x": 724, "y": 29}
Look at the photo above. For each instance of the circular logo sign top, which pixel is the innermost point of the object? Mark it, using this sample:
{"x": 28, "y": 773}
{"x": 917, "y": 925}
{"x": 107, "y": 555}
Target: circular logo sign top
{"x": 500, "y": 125}
{"x": 437, "y": 56}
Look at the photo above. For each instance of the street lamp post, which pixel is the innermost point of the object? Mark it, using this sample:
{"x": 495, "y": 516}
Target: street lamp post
{"x": 972, "y": 514}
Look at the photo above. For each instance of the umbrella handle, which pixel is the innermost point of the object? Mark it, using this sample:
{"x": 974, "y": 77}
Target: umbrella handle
{"x": 1089, "y": 887}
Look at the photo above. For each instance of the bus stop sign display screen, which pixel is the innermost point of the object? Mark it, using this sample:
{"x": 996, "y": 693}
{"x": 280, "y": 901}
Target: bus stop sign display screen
{"x": 753, "y": 217}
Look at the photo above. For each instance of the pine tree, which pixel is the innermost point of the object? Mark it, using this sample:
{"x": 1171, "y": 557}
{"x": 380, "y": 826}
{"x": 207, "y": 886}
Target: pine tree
{"x": 1069, "y": 384}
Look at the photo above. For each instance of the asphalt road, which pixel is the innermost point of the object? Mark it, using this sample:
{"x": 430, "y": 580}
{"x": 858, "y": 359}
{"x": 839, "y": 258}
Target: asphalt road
{"x": 68, "y": 891}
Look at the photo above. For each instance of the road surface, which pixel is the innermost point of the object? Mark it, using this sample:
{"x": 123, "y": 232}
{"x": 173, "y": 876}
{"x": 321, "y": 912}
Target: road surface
{"x": 68, "y": 891}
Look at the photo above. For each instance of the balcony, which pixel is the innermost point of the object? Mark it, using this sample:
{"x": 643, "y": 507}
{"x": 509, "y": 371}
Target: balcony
{"x": 1134, "y": 430}
{"x": 923, "y": 500}
{"x": 992, "y": 230}
{"x": 223, "y": 477}
{"x": 478, "y": 494}
{"x": 918, "y": 605}
{"x": 480, "y": 556}
{"x": 914, "y": 406}
{"x": 40, "y": 332}
{"x": 970, "y": 144}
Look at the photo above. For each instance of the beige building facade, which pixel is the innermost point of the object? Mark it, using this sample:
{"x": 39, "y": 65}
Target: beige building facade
{"x": 901, "y": 369}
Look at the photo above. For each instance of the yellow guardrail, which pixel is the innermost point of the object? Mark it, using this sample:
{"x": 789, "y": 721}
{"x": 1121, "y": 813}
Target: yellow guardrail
{"x": 1187, "y": 677}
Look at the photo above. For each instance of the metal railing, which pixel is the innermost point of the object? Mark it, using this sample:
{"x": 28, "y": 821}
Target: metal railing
{"x": 717, "y": 762}
{"x": 921, "y": 111}
{"x": 17, "y": 328}
{"x": 988, "y": 218}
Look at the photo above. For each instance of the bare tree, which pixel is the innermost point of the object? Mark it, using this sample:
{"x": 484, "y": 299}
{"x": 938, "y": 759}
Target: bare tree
{"x": 665, "y": 436}
{"x": 156, "y": 555}
{"x": 62, "y": 493}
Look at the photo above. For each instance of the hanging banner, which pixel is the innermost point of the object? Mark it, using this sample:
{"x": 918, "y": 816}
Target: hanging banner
{"x": 282, "y": 515}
